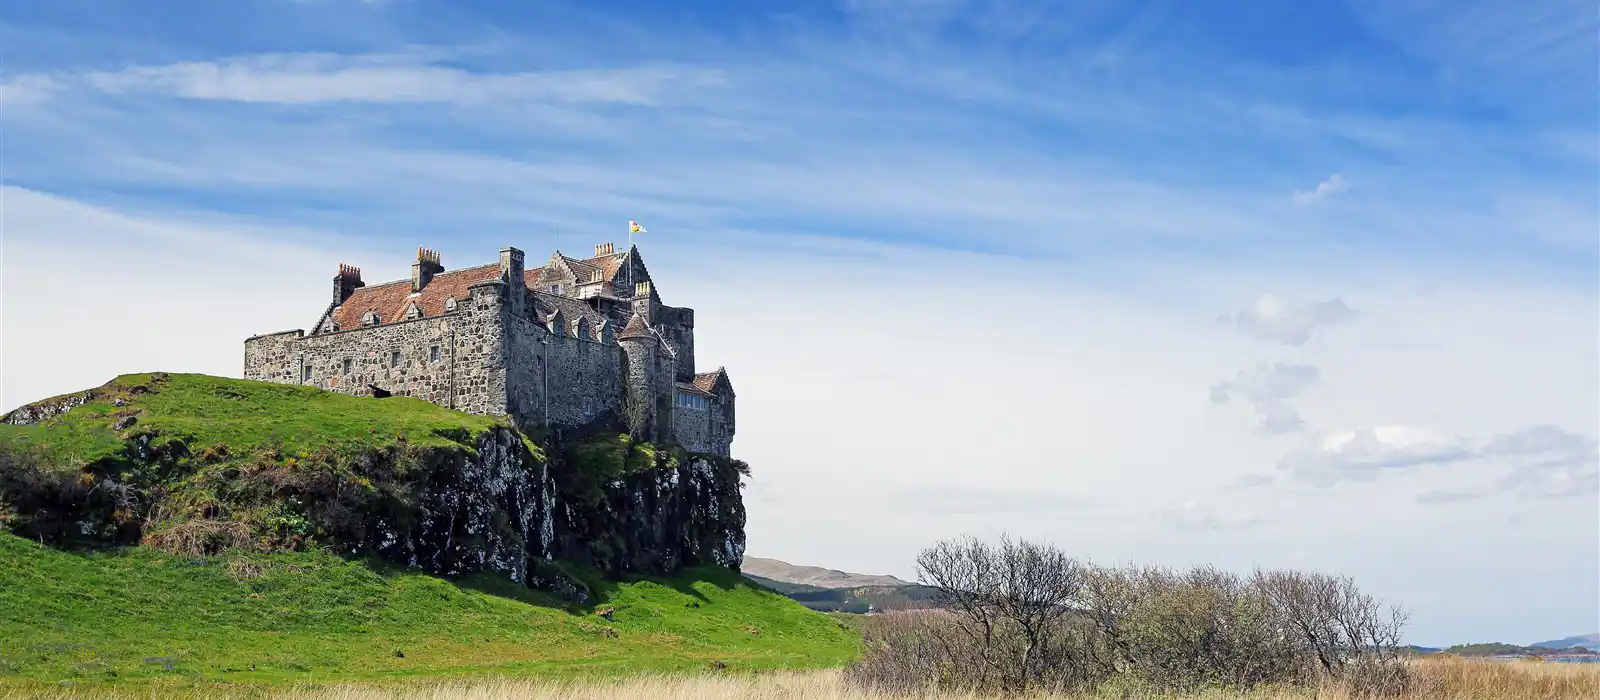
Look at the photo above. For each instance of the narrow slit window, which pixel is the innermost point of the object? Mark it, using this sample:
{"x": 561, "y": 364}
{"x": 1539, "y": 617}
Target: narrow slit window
{"x": 349, "y": 365}
{"x": 433, "y": 354}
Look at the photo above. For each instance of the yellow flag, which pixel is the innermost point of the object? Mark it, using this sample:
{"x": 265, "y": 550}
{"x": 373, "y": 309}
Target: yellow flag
{"x": 634, "y": 227}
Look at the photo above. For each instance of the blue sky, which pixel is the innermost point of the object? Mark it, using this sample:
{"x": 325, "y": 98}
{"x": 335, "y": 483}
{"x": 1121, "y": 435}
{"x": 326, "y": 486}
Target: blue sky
{"x": 1133, "y": 225}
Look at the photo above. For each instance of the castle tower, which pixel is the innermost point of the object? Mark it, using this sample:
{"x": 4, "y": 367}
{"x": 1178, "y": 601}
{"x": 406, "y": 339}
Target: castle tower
{"x": 642, "y": 349}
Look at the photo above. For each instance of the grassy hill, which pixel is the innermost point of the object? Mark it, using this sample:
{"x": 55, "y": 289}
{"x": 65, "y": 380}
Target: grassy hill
{"x": 138, "y": 614}
{"x": 238, "y": 494}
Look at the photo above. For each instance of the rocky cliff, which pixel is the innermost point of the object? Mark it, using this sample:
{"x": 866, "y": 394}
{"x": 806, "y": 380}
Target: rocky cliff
{"x": 196, "y": 464}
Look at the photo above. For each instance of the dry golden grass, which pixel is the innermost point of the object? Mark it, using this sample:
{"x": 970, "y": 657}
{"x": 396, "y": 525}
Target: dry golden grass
{"x": 1443, "y": 679}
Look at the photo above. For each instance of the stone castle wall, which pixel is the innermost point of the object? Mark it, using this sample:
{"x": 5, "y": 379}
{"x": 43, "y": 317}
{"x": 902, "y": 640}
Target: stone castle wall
{"x": 583, "y": 376}
{"x": 455, "y": 360}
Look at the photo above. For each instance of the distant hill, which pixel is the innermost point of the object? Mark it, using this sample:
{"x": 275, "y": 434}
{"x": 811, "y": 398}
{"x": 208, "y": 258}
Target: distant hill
{"x": 1588, "y": 641}
{"x": 861, "y": 599}
{"x": 1502, "y": 649}
{"x": 784, "y": 572}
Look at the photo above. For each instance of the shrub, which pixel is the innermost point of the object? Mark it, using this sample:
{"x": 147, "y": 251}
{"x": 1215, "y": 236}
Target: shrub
{"x": 1022, "y": 616}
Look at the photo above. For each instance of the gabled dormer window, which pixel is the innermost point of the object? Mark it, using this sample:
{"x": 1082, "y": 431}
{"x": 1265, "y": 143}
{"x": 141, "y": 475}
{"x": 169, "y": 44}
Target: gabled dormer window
{"x": 370, "y": 318}
{"x": 413, "y": 311}
{"x": 450, "y": 304}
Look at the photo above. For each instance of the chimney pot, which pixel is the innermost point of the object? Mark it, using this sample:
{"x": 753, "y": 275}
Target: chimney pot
{"x": 423, "y": 270}
{"x": 346, "y": 282}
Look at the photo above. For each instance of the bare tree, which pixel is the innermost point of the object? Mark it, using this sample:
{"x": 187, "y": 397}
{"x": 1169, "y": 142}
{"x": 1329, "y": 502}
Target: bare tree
{"x": 1021, "y": 616}
{"x": 1011, "y": 600}
{"x": 635, "y": 410}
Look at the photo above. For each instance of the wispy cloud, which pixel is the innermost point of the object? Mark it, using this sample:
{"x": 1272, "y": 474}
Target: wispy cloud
{"x": 1287, "y": 321}
{"x": 1267, "y": 388}
{"x": 1541, "y": 462}
{"x": 1327, "y": 189}
{"x": 322, "y": 78}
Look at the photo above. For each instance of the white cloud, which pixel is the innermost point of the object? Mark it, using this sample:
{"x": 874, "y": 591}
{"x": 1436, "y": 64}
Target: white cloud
{"x": 1327, "y": 189}
{"x": 27, "y": 89}
{"x": 1267, "y": 387}
{"x": 1540, "y": 462}
{"x": 1193, "y": 517}
{"x": 319, "y": 78}
{"x": 1281, "y": 320}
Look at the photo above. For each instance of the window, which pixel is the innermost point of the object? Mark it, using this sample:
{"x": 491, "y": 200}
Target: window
{"x": 394, "y": 358}
{"x": 433, "y": 354}
{"x": 413, "y": 311}
{"x": 450, "y": 304}
{"x": 305, "y": 373}
{"x": 694, "y": 401}
{"x": 555, "y": 289}
{"x": 349, "y": 364}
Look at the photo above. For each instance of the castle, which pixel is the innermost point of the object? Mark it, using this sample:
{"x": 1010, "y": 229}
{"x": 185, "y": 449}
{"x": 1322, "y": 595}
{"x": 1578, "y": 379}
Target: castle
{"x": 574, "y": 345}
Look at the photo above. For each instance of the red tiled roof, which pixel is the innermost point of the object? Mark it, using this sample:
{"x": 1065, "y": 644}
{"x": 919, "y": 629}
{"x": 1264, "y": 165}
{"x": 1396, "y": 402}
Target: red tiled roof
{"x": 706, "y": 381}
{"x": 608, "y": 264}
{"x": 691, "y": 388}
{"x": 391, "y": 299}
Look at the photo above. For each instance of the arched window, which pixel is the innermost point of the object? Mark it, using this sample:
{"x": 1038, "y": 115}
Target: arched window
{"x": 450, "y": 304}
{"x": 582, "y": 329}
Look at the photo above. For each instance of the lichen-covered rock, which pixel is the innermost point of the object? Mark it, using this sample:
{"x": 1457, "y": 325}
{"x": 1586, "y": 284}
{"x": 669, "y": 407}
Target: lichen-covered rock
{"x": 44, "y": 410}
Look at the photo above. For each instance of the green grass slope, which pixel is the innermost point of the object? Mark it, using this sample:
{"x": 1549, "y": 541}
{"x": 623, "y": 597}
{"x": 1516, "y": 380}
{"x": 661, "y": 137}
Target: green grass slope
{"x": 205, "y": 411}
{"x": 257, "y": 618}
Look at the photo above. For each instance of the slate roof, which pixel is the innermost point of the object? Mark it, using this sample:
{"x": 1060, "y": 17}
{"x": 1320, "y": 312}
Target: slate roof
{"x": 636, "y": 328}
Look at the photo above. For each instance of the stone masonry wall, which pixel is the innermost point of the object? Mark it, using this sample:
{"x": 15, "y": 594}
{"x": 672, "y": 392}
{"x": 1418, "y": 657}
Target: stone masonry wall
{"x": 691, "y": 428}
{"x": 677, "y": 326}
{"x": 585, "y": 376}
{"x": 452, "y": 360}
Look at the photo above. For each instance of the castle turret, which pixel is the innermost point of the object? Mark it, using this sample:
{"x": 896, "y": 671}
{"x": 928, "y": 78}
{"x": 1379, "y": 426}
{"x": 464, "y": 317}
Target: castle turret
{"x": 641, "y": 409}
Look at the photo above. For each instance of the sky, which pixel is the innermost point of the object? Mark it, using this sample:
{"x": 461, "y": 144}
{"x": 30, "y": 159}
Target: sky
{"x": 1307, "y": 285}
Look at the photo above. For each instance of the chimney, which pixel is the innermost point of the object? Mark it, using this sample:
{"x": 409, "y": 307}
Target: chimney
{"x": 346, "y": 282}
{"x": 603, "y": 249}
{"x": 511, "y": 271}
{"x": 643, "y": 305}
{"x": 423, "y": 270}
